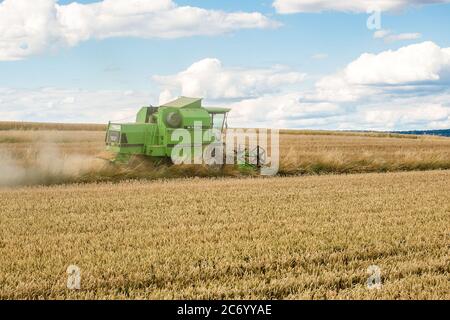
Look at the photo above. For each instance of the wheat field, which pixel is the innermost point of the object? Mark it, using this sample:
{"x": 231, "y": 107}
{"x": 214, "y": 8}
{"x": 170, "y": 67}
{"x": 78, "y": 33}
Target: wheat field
{"x": 343, "y": 203}
{"x": 272, "y": 238}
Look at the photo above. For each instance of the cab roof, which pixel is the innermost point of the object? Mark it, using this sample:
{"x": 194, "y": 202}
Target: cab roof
{"x": 186, "y": 102}
{"x": 217, "y": 110}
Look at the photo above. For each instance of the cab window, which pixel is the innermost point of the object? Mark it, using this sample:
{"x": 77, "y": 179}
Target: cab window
{"x": 218, "y": 119}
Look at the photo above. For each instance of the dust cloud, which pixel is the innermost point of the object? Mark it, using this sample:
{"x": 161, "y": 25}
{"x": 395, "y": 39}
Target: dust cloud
{"x": 45, "y": 165}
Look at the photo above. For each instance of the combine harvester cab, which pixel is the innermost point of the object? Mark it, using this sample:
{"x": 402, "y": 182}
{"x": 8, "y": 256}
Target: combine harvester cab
{"x": 151, "y": 134}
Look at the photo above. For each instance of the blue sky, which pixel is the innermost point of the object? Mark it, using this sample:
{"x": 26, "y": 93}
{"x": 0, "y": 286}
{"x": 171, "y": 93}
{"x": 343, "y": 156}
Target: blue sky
{"x": 304, "y": 47}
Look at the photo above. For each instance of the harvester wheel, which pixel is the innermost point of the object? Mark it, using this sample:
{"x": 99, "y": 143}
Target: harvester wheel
{"x": 257, "y": 156}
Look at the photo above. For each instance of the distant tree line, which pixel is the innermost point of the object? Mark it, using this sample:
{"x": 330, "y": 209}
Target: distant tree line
{"x": 444, "y": 132}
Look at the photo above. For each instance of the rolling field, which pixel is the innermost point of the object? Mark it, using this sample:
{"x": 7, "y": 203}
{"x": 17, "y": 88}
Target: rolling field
{"x": 275, "y": 238}
{"x": 311, "y": 233}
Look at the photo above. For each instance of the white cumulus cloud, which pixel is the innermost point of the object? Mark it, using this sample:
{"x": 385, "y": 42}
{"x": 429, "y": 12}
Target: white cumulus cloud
{"x": 402, "y": 89}
{"x": 372, "y": 74}
{"x": 414, "y": 63}
{"x": 31, "y": 27}
{"x": 210, "y": 79}
{"x": 281, "y": 111}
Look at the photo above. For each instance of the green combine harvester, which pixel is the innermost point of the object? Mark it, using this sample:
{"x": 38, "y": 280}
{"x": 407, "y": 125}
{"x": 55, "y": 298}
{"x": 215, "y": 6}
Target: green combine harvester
{"x": 151, "y": 134}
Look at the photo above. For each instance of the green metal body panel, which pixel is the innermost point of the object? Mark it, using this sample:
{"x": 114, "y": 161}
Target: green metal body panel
{"x": 141, "y": 116}
{"x": 151, "y": 135}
